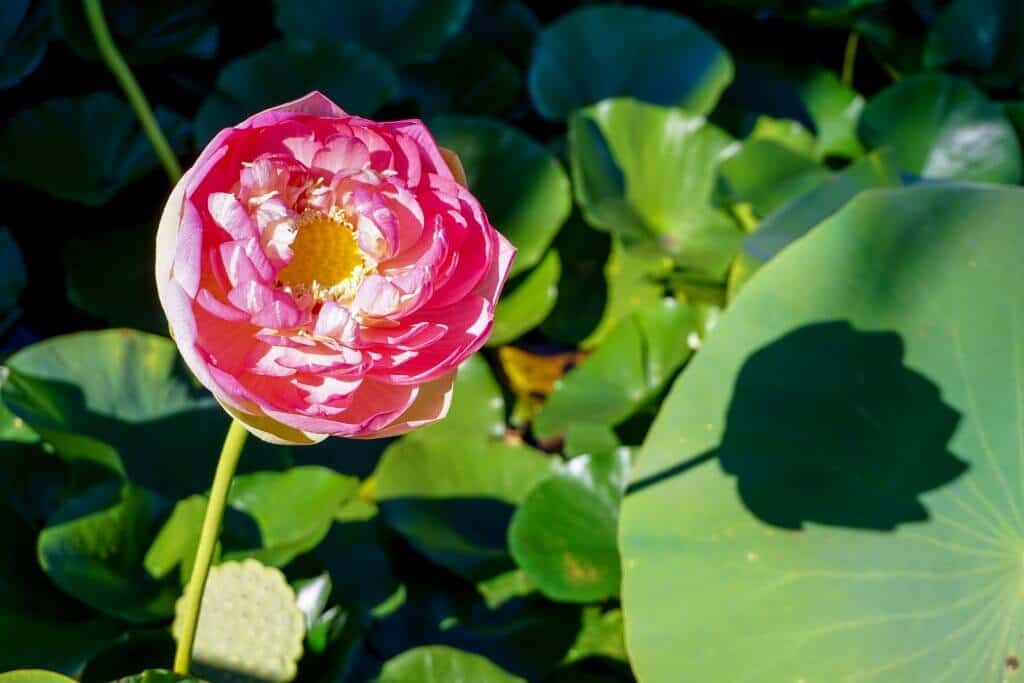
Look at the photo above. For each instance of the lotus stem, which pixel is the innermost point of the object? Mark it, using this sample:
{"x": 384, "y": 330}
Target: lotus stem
{"x": 850, "y": 58}
{"x": 193, "y": 599}
{"x": 123, "y": 74}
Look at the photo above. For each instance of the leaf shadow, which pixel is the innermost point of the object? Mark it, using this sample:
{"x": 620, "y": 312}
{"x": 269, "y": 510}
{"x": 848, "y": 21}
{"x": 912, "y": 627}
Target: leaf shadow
{"x": 828, "y": 425}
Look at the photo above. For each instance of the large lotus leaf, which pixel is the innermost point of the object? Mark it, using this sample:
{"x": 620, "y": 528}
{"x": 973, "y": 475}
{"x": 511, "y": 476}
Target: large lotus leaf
{"x": 794, "y": 219}
{"x": 606, "y": 51}
{"x": 148, "y": 32}
{"x": 834, "y": 481}
{"x": 646, "y": 173}
{"x": 519, "y": 182}
{"x": 12, "y": 278}
{"x": 635, "y": 362}
{"x": 469, "y": 77}
{"x": 25, "y": 29}
{"x": 453, "y": 498}
{"x": 122, "y": 399}
{"x": 282, "y": 71}
{"x": 404, "y": 31}
{"x": 437, "y": 664}
{"x": 943, "y": 127}
{"x": 293, "y": 509}
{"x": 82, "y": 149}
{"x": 93, "y": 548}
{"x": 527, "y": 302}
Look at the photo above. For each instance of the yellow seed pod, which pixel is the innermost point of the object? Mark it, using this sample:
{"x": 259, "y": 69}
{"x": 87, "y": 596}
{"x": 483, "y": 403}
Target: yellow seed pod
{"x": 250, "y": 626}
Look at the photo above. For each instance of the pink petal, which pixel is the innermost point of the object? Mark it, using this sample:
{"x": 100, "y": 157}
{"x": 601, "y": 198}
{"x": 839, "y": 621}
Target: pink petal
{"x": 230, "y": 215}
{"x": 377, "y": 296}
{"x": 431, "y": 404}
{"x": 342, "y": 153}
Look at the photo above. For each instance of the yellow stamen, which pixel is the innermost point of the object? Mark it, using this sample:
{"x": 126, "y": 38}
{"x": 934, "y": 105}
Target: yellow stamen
{"x": 327, "y": 261}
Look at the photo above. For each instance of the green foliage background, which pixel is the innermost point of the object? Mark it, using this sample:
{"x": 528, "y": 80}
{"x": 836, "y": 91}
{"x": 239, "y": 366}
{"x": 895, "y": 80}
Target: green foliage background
{"x": 752, "y": 410}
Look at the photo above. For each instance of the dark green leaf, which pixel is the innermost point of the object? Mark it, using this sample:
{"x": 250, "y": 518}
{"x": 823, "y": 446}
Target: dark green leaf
{"x": 123, "y": 296}
{"x": 124, "y": 400}
{"x": 402, "y": 31}
{"x": 39, "y": 625}
{"x": 943, "y": 127}
{"x": 93, "y": 549}
{"x": 150, "y": 32}
{"x": 614, "y": 51}
{"x": 453, "y": 498}
{"x": 283, "y": 71}
{"x": 527, "y": 301}
{"x": 840, "y": 464}
{"x": 25, "y": 28}
{"x": 509, "y": 25}
{"x": 469, "y": 77}
{"x": 519, "y": 182}
{"x": 57, "y": 147}
{"x": 12, "y": 279}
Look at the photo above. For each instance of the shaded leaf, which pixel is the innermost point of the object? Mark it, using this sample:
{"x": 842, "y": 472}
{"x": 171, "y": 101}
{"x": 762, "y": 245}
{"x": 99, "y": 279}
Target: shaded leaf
{"x": 527, "y": 301}
{"x": 521, "y": 184}
{"x": 145, "y": 33}
{"x": 469, "y": 77}
{"x": 25, "y": 29}
{"x": 403, "y": 31}
{"x": 53, "y": 147}
{"x": 453, "y": 498}
{"x": 93, "y": 548}
{"x": 282, "y": 71}
{"x": 591, "y": 54}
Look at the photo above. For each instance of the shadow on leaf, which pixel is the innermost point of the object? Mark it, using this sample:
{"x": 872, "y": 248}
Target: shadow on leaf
{"x": 827, "y": 425}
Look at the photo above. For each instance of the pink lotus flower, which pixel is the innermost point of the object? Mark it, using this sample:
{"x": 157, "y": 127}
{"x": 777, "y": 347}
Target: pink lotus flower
{"x": 324, "y": 274}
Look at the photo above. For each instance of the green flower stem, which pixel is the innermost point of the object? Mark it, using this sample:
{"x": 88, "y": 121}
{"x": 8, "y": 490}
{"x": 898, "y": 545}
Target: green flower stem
{"x": 229, "y": 454}
{"x": 850, "y": 58}
{"x": 123, "y": 74}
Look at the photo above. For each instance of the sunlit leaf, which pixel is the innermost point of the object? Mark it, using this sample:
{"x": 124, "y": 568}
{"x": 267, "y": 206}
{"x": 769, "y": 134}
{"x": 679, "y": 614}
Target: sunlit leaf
{"x": 848, "y": 436}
